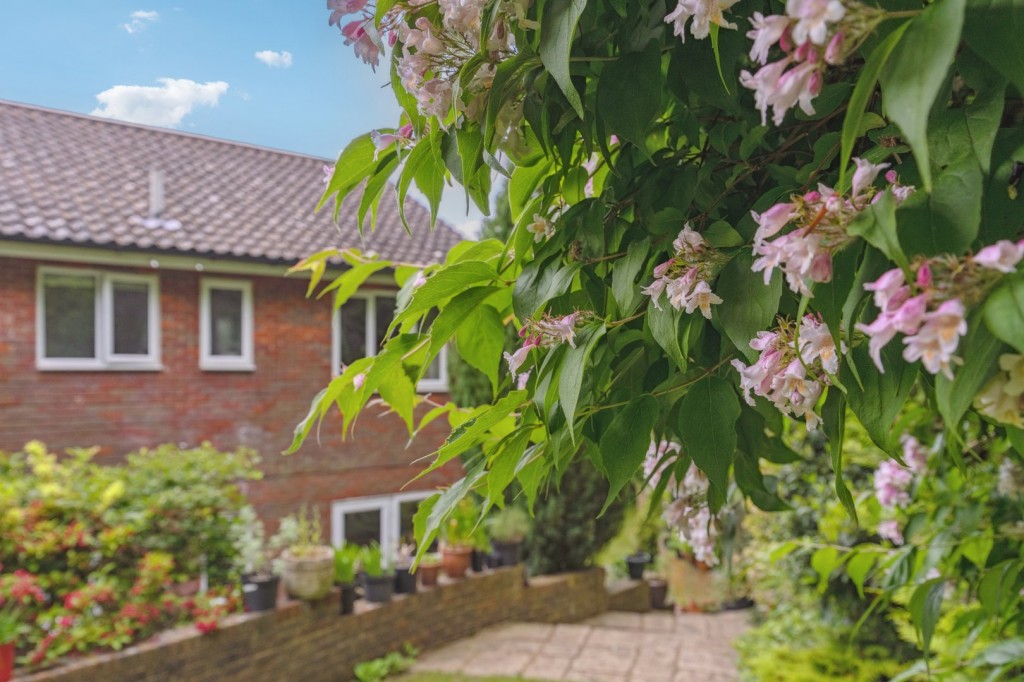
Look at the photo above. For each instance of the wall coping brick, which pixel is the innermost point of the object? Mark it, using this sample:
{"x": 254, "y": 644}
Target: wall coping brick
{"x": 302, "y": 641}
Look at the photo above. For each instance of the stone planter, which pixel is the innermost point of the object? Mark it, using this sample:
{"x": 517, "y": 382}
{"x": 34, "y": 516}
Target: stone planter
{"x": 308, "y": 576}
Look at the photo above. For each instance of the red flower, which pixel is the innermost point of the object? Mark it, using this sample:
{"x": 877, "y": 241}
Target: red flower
{"x": 206, "y": 626}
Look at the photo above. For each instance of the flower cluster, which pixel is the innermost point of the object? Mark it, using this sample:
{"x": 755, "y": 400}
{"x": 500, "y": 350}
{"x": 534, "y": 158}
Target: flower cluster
{"x": 1002, "y": 399}
{"x": 703, "y": 12}
{"x": 812, "y": 35}
{"x": 685, "y": 278}
{"x": 930, "y": 311}
{"x": 358, "y": 32}
{"x": 793, "y": 367}
{"x": 820, "y": 219}
{"x": 893, "y": 483}
{"x": 544, "y": 332}
{"x": 654, "y": 462}
{"x": 689, "y": 512}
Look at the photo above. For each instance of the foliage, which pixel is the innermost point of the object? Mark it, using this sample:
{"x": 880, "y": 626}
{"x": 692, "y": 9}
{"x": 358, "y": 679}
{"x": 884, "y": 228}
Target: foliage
{"x": 107, "y": 546}
{"x": 373, "y": 562}
{"x": 300, "y": 534}
{"x": 346, "y": 559}
{"x": 568, "y": 526}
{"x": 685, "y": 267}
{"x": 381, "y": 668}
{"x": 249, "y": 539}
{"x": 510, "y": 524}
{"x": 462, "y": 528}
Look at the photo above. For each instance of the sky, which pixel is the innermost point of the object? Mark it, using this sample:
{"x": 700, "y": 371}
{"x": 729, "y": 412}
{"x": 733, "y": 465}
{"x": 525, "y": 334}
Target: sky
{"x": 265, "y": 72}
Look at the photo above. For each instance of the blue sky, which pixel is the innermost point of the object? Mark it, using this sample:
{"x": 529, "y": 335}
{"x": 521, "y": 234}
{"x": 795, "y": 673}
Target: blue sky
{"x": 64, "y": 53}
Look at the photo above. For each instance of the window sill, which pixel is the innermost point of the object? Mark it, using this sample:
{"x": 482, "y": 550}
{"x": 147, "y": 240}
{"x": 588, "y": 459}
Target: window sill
{"x": 432, "y": 387}
{"x": 218, "y": 366}
{"x": 94, "y": 367}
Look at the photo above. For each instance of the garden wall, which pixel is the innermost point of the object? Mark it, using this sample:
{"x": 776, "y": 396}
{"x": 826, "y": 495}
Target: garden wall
{"x": 308, "y": 643}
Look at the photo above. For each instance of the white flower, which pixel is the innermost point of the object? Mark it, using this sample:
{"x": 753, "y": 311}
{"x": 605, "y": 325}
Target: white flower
{"x": 541, "y": 228}
{"x": 689, "y": 242}
{"x": 703, "y": 12}
{"x": 938, "y": 338}
{"x": 813, "y": 18}
{"x": 702, "y": 297}
{"x": 865, "y": 175}
{"x": 767, "y": 31}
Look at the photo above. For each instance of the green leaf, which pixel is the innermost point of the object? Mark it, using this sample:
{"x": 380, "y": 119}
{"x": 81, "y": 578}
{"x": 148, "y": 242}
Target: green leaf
{"x": 539, "y": 282}
{"x": 354, "y": 164}
{"x": 624, "y": 286}
{"x": 831, "y": 297}
{"x": 522, "y": 186}
{"x": 454, "y": 314}
{"x": 574, "y": 367}
{"x": 1008, "y": 652}
{"x": 824, "y": 561}
{"x": 925, "y": 609}
{"x": 447, "y": 282}
{"x": 624, "y": 443}
{"x": 914, "y": 74}
{"x": 316, "y": 410}
{"x": 997, "y": 588}
{"x": 502, "y": 467}
{"x": 855, "y": 110}
{"x": 858, "y": 567}
{"x": 751, "y": 482}
{"x": 979, "y": 350}
{"x": 977, "y": 547}
{"x": 748, "y": 306}
{"x": 397, "y": 390}
{"x": 993, "y": 29}
{"x": 558, "y": 26}
{"x": 375, "y": 186}
{"x": 833, "y": 420}
{"x": 707, "y": 424}
{"x": 629, "y": 94}
{"x": 877, "y": 226}
{"x": 347, "y": 283}
{"x": 1004, "y": 312}
{"x": 665, "y": 324}
{"x": 947, "y": 220}
{"x": 470, "y": 433}
{"x": 481, "y": 338}
{"x": 878, "y": 398}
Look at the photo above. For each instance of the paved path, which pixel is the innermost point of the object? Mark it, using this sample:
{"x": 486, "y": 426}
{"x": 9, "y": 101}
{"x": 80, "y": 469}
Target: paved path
{"x": 613, "y": 647}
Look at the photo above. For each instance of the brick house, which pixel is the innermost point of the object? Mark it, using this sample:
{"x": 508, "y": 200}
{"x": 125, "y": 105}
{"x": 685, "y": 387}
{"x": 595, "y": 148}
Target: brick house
{"x": 143, "y": 301}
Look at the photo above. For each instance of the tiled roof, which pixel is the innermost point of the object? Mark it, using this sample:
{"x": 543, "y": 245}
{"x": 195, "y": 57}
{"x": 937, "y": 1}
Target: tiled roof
{"x": 73, "y": 179}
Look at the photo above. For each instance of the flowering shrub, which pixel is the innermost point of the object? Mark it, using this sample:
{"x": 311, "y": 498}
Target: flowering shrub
{"x": 766, "y": 170}
{"x": 101, "y": 549}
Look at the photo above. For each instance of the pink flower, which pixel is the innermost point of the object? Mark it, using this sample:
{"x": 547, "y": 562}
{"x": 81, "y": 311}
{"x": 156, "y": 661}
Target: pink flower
{"x": 1003, "y": 256}
{"x": 702, "y": 297}
{"x": 892, "y": 483}
{"x": 813, "y": 19}
{"x": 888, "y": 287}
{"x": 341, "y": 8}
{"x": 938, "y": 338}
{"x": 703, "y": 12}
{"x": 908, "y": 317}
{"x": 328, "y": 173}
{"x": 689, "y": 242}
{"x": 834, "y": 50}
{"x": 890, "y": 530}
{"x": 678, "y": 290}
{"x": 515, "y": 360}
{"x": 924, "y": 276}
{"x": 914, "y": 454}
{"x": 767, "y": 31}
{"x": 521, "y": 381}
{"x": 880, "y": 333}
{"x": 654, "y": 290}
{"x": 774, "y": 219}
{"x": 765, "y": 83}
{"x": 865, "y": 175}
{"x": 358, "y": 380}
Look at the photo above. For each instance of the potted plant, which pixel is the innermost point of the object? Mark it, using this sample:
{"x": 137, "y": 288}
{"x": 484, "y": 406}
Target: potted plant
{"x": 345, "y": 560}
{"x": 378, "y": 580}
{"x": 429, "y": 569}
{"x": 457, "y": 549}
{"x": 508, "y": 529}
{"x": 306, "y": 565}
{"x": 481, "y": 548}
{"x": 636, "y": 563}
{"x": 252, "y": 560}
{"x": 405, "y": 579}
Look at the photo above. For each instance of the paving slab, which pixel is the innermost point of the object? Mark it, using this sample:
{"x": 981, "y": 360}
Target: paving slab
{"x": 611, "y": 647}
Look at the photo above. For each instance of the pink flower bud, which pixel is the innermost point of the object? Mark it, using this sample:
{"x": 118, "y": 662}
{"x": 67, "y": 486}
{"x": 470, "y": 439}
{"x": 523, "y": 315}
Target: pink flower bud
{"x": 812, "y": 196}
{"x": 891, "y": 177}
{"x": 786, "y": 41}
{"x": 834, "y": 50}
{"x": 924, "y": 276}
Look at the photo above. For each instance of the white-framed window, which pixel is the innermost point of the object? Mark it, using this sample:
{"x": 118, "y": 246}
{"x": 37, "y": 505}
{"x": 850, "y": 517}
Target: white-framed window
{"x": 358, "y": 332}
{"x": 386, "y": 519}
{"x": 226, "y": 325}
{"x": 95, "y": 320}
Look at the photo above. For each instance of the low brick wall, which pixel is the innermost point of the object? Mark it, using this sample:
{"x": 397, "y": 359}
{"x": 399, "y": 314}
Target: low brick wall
{"x": 311, "y": 642}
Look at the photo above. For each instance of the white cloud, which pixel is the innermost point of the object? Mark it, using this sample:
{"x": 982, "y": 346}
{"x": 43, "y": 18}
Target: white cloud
{"x": 140, "y": 19}
{"x": 271, "y": 58}
{"x": 163, "y": 105}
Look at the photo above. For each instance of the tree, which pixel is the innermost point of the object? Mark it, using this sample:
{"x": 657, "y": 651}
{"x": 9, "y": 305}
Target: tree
{"x": 715, "y": 233}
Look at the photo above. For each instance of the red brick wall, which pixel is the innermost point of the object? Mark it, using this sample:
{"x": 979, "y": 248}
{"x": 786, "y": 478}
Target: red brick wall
{"x": 122, "y": 411}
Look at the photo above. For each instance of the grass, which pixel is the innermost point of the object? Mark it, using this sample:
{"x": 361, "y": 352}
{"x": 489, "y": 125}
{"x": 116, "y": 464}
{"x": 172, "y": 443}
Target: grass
{"x": 447, "y": 677}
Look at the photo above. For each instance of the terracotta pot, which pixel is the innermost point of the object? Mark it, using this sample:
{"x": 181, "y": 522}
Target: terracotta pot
{"x": 456, "y": 561}
{"x": 428, "y": 574}
{"x": 308, "y": 576}
{"x": 6, "y": 661}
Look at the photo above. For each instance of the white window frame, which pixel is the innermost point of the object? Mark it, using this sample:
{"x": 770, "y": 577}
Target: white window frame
{"x": 246, "y": 362}
{"x": 438, "y": 385}
{"x": 104, "y": 358}
{"x": 389, "y": 507}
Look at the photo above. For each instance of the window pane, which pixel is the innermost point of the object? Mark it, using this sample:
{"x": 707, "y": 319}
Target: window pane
{"x": 70, "y": 316}
{"x": 353, "y": 330}
{"x": 131, "y": 318}
{"x": 406, "y": 534}
{"x": 385, "y": 314}
{"x": 363, "y": 527}
{"x": 226, "y": 322}
{"x": 434, "y": 370}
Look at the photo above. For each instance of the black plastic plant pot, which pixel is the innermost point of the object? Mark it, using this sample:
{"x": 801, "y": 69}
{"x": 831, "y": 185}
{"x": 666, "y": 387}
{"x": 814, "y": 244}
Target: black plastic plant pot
{"x": 493, "y": 560}
{"x": 378, "y": 589}
{"x": 636, "y": 563}
{"x": 259, "y": 592}
{"x": 478, "y": 561}
{"x": 659, "y": 592}
{"x": 405, "y": 581}
{"x": 348, "y": 598}
{"x": 508, "y": 552}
